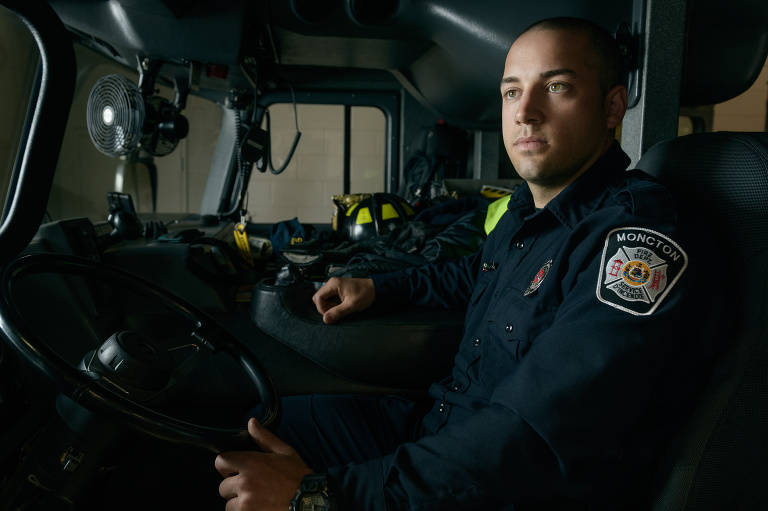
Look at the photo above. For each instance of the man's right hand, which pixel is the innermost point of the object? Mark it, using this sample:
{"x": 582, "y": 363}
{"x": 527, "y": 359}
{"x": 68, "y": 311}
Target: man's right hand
{"x": 339, "y": 297}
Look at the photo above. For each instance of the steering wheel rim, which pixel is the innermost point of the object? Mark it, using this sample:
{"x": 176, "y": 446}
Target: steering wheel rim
{"x": 92, "y": 392}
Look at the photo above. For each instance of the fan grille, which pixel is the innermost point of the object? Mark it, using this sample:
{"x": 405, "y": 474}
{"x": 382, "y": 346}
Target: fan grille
{"x": 115, "y": 115}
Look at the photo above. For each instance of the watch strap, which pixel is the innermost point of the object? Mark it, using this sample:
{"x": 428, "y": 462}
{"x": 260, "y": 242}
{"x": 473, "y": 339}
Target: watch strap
{"x": 314, "y": 484}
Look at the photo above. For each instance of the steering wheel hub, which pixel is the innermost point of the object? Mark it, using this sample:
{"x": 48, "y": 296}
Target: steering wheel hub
{"x": 132, "y": 359}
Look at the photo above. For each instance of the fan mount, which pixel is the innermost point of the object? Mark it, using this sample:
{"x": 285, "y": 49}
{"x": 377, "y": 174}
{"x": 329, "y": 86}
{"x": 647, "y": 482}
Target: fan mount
{"x": 164, "y": 126}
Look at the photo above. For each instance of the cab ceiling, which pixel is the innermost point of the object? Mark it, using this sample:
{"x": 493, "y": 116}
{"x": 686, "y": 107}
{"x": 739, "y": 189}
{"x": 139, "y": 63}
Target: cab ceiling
{"x": 448, "y": 53}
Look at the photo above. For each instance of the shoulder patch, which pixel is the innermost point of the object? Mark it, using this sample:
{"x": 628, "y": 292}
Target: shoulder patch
{"x": 638, "y": 269}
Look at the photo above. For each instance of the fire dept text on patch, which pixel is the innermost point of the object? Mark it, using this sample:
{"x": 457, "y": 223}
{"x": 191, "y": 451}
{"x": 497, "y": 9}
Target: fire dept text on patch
{"x": 648, "y": 240}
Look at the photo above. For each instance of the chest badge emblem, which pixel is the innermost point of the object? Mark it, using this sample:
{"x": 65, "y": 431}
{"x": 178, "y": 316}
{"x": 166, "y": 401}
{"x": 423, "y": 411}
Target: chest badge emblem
{"x": 538, "y": 279}
{"x": 639, "y": 268}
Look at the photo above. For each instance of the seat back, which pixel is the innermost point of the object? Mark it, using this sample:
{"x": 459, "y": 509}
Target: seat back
{"x": 720, "y": 458}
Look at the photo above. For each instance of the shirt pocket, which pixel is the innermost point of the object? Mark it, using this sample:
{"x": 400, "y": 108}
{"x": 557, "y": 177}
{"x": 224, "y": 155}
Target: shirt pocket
{"x": 514, "y": 323}
{"x": 483, "y": 283}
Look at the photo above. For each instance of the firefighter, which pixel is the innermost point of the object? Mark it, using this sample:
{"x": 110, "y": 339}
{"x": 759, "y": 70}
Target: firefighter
{"x": 591, "y": 323}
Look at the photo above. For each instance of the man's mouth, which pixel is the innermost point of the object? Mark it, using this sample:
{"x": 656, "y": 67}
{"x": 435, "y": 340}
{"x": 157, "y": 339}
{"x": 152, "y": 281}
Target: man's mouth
{"x": 529, "y": 143}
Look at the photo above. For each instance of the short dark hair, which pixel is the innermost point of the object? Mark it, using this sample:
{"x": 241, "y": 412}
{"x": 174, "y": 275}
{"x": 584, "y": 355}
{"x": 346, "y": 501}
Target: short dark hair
{"x": 605, "y": 50}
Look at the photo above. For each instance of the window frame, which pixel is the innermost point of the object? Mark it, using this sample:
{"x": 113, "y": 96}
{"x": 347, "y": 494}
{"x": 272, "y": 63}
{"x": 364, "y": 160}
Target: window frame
{"x": 387, "y": 102}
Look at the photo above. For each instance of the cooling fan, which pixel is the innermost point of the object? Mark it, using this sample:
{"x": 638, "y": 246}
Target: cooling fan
{"x": 120, "y": 119}
{"x": 115, "y": 115}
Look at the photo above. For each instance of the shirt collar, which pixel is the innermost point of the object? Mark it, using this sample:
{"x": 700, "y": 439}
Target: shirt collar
{"x": 580, "y": 197}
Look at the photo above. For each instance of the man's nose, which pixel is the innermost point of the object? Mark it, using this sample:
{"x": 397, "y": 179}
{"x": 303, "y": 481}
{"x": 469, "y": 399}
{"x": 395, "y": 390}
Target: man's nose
{"x": 529, "y": 109}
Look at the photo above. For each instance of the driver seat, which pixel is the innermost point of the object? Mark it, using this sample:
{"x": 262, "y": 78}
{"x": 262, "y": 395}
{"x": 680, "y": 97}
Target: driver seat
{"x": 719, "y": 460}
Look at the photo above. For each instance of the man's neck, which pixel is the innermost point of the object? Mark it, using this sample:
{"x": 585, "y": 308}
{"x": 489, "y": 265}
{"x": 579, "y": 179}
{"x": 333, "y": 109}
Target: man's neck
{"x": 543, "y": 193}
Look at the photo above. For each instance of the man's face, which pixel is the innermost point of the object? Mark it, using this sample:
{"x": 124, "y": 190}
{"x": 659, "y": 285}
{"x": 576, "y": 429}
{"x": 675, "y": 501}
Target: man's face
{"x": 554, "y": 116}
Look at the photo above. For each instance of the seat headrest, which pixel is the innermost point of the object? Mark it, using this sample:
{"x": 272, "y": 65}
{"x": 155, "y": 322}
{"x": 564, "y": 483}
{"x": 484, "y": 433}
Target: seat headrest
{"x": 725, "y": 50}
{"x": 724, "y": 175}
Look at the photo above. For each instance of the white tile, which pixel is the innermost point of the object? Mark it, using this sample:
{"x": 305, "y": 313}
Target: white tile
{"x": 366, "y": 143}
{"x": 315, "y": 215}
{"x": 307, "y": 193}
{"x": 321, "y": 167}
{"x": 368, "y": 168}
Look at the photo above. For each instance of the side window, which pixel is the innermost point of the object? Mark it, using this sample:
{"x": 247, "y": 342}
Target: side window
{"x": 317, "y": 169}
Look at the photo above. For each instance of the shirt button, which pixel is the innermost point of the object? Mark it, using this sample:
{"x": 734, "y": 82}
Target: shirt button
{"x": 456, "y": 385}
{"x": 509, "y": 327}
{"x": 520, "y": 244}
{"x": 477, "y": 342}
{"x": 441, "y": 407}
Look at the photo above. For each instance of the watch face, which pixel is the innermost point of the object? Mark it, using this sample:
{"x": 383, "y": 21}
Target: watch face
{"x": 312, "y": 502}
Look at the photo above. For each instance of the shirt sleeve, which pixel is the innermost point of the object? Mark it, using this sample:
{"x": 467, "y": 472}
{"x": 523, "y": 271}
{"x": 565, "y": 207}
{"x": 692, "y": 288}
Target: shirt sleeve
{"x": 448, "y": 285}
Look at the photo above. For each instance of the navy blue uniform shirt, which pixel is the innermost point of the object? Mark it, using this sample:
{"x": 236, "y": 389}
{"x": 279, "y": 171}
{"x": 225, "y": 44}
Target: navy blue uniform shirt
{"x": 589, "y": 328}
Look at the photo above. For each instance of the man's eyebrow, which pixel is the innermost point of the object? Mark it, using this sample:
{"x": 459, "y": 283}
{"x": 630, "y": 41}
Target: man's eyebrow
{"x": 558, "y": 72}
{"x": 509, "y": 79}
{"x": 544, "y": 75}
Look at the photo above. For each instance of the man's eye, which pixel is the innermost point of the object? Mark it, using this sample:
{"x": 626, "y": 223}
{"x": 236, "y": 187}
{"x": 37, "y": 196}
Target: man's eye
{"x": 556, "y": 87}
{"x": 511, "y": 94}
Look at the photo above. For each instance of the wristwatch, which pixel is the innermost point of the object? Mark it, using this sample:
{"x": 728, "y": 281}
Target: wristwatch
{"x": 313, "y": 495}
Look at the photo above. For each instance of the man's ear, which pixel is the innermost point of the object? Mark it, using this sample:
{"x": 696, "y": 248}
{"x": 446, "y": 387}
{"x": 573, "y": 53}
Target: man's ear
{"x": 615, "y": 106}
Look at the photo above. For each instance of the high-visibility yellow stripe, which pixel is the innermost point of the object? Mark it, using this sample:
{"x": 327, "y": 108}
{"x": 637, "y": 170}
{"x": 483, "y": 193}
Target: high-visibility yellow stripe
{"x": 495, "y": 210}
{"x": 388, "y": 211}
{"x": 364, "y": 216}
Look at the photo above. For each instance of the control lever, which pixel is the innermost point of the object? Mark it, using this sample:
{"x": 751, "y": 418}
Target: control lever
{"x": 125, "y": 226}
{"x": 122, "y": 217}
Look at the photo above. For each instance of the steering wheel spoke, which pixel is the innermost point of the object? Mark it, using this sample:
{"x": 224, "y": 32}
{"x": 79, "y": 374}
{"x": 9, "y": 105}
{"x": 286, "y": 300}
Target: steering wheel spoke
{"x": 188, "y": 353}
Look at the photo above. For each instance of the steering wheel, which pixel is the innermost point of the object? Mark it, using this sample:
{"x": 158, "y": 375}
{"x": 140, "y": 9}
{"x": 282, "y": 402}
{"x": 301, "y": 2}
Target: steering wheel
{"x": 104, "y": 392}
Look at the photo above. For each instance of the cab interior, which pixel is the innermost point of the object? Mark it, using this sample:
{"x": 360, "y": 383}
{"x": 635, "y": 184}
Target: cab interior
{"x": 104, "y": 243}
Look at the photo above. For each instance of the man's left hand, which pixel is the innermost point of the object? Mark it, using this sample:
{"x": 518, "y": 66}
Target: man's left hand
{"x": 261, "y": 481}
